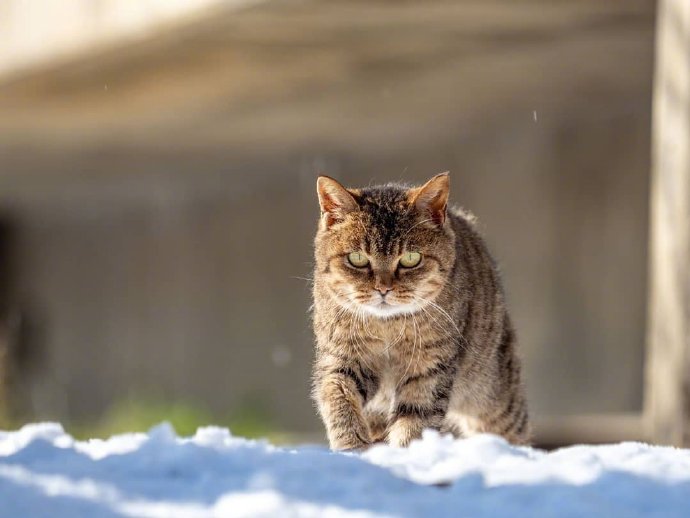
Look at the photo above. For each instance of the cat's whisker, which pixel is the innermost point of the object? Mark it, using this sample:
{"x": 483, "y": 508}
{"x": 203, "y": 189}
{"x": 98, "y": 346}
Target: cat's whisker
{"x": 357, "y": 340}
{"x": 368, "y": 329}
{"x": 463, "y": 342}
{"x": 412, "y": 356}
{"x": 439, "y": 326}
{"x": 308, "y": 279}
{"x": 438, "y": 323}
{"x": 442, "y": 311}
{"x": 400, "y": 336}
{"x": 352, "y": 340}
{"x": 344, "y": 300}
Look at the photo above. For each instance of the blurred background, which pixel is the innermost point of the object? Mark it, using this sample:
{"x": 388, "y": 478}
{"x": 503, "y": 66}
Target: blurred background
{"x": 157, "y": 193}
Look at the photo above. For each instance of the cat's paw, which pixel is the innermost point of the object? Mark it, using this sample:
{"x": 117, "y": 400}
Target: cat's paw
{"x": 351, "y": 447}
{"x": 402, "y": 432}
{"x": 350, "y": 442}
{"x": 361, "y": 449}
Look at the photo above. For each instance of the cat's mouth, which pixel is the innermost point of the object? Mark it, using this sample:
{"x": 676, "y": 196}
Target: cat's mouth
{"x": 384, "y": 307}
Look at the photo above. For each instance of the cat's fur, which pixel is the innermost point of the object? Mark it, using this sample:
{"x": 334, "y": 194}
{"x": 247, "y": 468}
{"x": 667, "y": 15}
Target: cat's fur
{"x": 440, "y": 352}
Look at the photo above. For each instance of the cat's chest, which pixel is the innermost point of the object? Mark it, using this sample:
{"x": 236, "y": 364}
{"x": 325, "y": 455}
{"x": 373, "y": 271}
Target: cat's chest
{"x": 384, "y": 398}
{"x": 392, "y": 342}
{"x": 395, "y": 347}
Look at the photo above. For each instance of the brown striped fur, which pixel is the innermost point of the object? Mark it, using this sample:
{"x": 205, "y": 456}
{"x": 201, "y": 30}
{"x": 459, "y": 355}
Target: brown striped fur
{"x": 441, "y": 353}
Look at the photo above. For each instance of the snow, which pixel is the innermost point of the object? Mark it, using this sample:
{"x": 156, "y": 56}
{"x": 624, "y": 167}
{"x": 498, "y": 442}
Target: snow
{"x": 45, "y": 472}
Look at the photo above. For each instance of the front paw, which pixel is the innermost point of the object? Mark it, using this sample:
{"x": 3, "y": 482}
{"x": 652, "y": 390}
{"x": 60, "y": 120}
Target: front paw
{"x": 361, "y": 449}
{"x": 349, "y": 442}
{"x": 403, "y": 431}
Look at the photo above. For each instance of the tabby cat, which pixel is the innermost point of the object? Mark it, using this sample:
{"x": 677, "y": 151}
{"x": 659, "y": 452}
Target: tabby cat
{"x": 412, "y": 330}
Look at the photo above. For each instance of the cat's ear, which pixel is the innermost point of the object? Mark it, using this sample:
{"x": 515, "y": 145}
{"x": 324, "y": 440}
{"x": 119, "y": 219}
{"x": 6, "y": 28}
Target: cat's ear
{"x": 335, "y": 200}
{"x": 432, "y": 197}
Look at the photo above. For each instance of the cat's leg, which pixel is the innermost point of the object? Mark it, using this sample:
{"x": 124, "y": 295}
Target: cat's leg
{"x": 513, "y": 427}
{"x": 340, "y": 392}
{"x": 502, "y": 412}
{"x": 493, "y": 400}
{"x": 507, "y": 417}
{"x": 421, "y": 402}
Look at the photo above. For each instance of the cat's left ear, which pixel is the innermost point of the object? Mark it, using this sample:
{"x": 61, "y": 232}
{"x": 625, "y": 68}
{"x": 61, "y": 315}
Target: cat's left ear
{"x": 432, "y": 197}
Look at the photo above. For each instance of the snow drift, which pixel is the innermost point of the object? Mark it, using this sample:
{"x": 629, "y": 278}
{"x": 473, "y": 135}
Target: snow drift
{"x": 45, "y": 472}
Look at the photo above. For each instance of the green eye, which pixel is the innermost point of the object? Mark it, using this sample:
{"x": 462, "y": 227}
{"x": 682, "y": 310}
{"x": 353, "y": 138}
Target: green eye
{"x": 410, "y": 259}
{"x": 358, "y": 259}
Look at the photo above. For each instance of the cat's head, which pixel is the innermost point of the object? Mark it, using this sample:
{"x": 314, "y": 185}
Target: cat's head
{"x": 386, "y": 250}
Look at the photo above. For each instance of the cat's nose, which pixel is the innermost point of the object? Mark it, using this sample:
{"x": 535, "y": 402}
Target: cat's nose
{"x": 383, "y": 290}
{"x": 383, "y": 283}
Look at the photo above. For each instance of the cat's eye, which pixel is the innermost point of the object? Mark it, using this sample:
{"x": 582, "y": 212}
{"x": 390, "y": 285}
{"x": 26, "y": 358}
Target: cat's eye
{"x": 358, "y": 259}
{"x": 410, "y": 259}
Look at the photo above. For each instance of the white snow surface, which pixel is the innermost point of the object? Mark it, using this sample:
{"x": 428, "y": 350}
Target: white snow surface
{"x": 45, "y": 472}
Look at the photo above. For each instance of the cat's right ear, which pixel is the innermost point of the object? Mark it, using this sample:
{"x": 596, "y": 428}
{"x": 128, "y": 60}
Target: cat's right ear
{"x": 335, "y": 200}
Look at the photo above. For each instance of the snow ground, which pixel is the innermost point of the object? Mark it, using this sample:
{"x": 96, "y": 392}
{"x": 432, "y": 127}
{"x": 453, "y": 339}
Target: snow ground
{"x": 45, "y": 472}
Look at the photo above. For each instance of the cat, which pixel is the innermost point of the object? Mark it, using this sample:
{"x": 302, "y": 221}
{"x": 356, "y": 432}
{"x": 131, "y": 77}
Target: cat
{"x": 411, "y": 325}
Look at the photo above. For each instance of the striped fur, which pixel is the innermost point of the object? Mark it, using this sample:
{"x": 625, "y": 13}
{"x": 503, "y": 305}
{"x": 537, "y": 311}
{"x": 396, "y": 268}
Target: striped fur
{"x": 447, "y": 360}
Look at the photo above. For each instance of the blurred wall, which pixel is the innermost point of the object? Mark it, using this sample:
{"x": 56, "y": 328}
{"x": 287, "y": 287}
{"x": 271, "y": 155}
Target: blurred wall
{"x": 37, "y": 31}
{"x": 162, "y": 234}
